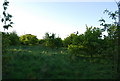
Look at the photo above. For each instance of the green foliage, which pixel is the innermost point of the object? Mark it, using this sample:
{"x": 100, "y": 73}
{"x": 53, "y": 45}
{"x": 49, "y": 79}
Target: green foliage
{"x": 51, "y": 41}
{"x": 112, "y": 32}
{"x": 110, "y": 40}
{"x": 58, "y": 42}
{"x": 38, "y": 62}
{"x": 90, "y": 42}
{"x": 70, "y": 40}
{"x": 28, "y": 39}
{"x": 93, "y": 39}
{"x": 113, "y": 16}
{"x": 5, "y": 41}
{"x": 67, "y": 41}
{"x": 7, "y": 17}
{"x": 41, "y": 41}
{"x": 14, "y": 38}
{"x": 9, "y": 39}
{"x": 76, "y": 50}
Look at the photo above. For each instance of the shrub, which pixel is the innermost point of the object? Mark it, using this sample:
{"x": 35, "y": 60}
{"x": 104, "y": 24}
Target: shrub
{"x": 14, "y": 38}
{"x": 76, "y": 50}
{"x": 58, "y": 42}
{"x": 41, "y": 41}
{"x": 69, "y": 40}
{"x": 28, "y": 39}
{"x": 10, "y": 38}
{"x": 51, "y": 41}
{"x": 5, "y": 41}
{"x": 73, "y": 39}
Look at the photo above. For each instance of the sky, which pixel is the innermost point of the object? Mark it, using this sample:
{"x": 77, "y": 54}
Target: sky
{"x": 62, "y": 17}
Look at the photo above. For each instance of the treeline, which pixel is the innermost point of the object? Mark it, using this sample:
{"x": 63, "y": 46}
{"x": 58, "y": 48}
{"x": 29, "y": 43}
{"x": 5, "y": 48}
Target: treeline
{"x": 91, "y": 42}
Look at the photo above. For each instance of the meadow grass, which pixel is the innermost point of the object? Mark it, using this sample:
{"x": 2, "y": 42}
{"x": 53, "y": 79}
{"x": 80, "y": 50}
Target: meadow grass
{"x": 39, "y": 62}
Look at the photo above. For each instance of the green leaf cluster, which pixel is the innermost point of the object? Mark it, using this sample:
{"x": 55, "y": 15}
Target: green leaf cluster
{"x": 91, "y": 42}
{"x": 52, "y": 41}
{"x": 28, "y": 39}
{"x": 9, "y": 39}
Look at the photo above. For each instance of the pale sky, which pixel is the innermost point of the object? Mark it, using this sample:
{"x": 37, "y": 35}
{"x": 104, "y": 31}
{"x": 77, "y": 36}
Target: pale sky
{"x": 62, "y": 17}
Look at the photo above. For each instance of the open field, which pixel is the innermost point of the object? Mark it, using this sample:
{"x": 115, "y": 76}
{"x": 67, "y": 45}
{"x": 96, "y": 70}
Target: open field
{"x": 39, "y": 62}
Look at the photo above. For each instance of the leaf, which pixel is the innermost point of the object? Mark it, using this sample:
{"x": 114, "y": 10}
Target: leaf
{"x": 4, "y": 13}
{"x": 5, "y": 26}
{"x": 9, "y": 15}
{"x": 115, "y": 23}
{"x": 101, "y": 24}
{"x": 105, "y": 25}
{"x": 106, "y": 11}
{"x": 5, "y": 8}
{"x": 6, "y": 3}
{"x": 7, "y": 18}
{"x": 108, "y": 24}
{"x": 2, "y": 20}
{"x": 116, "y": 12}
{"x": 109, "y": 13}
{"x": 11, "y": 23}
{"x": 102, "y": 20}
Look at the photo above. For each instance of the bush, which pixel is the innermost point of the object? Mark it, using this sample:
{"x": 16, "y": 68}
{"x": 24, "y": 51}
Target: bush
{"x": 67, "y": 41}
{"x": 51, "y": 41}
{"x": 109, "y": 52}
{"x": 41, "y": 41}
{"x": 70, "y": 40}
{"x": 73, "y": 39}
{"x": 58, "y": 42}
{"x": 5, "y": 41}
{"x": 76, "y": 50}
{"x": 14, "y": 39}
{"x": 28, "y": 39}
{"x": 11, "y": 38}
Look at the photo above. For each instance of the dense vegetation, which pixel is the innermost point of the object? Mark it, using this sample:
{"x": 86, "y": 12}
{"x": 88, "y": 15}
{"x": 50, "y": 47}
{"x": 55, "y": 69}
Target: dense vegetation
{"x": 54, "y": 58}
{"x": 38, "y": 62}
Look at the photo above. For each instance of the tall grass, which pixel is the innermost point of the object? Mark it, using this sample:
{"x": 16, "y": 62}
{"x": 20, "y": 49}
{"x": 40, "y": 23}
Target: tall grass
{"x": 38, "y": 62}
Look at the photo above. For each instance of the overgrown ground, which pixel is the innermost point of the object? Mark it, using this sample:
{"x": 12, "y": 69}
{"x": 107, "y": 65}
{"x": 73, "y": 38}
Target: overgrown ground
{"x": 38, "y": 62}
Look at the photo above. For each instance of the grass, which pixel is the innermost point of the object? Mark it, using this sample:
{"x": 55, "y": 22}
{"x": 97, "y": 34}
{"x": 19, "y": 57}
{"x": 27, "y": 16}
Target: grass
{"x": 38, "y": 62}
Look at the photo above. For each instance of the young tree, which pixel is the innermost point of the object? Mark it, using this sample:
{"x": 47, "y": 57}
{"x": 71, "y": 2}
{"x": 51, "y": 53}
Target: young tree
{"x": 6, "y": 16}
{"x": 6, "y": 20}
{"x": 72, "y": 39}
{"x": 115, "y": 15}
{"x": 93, "y": 40}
